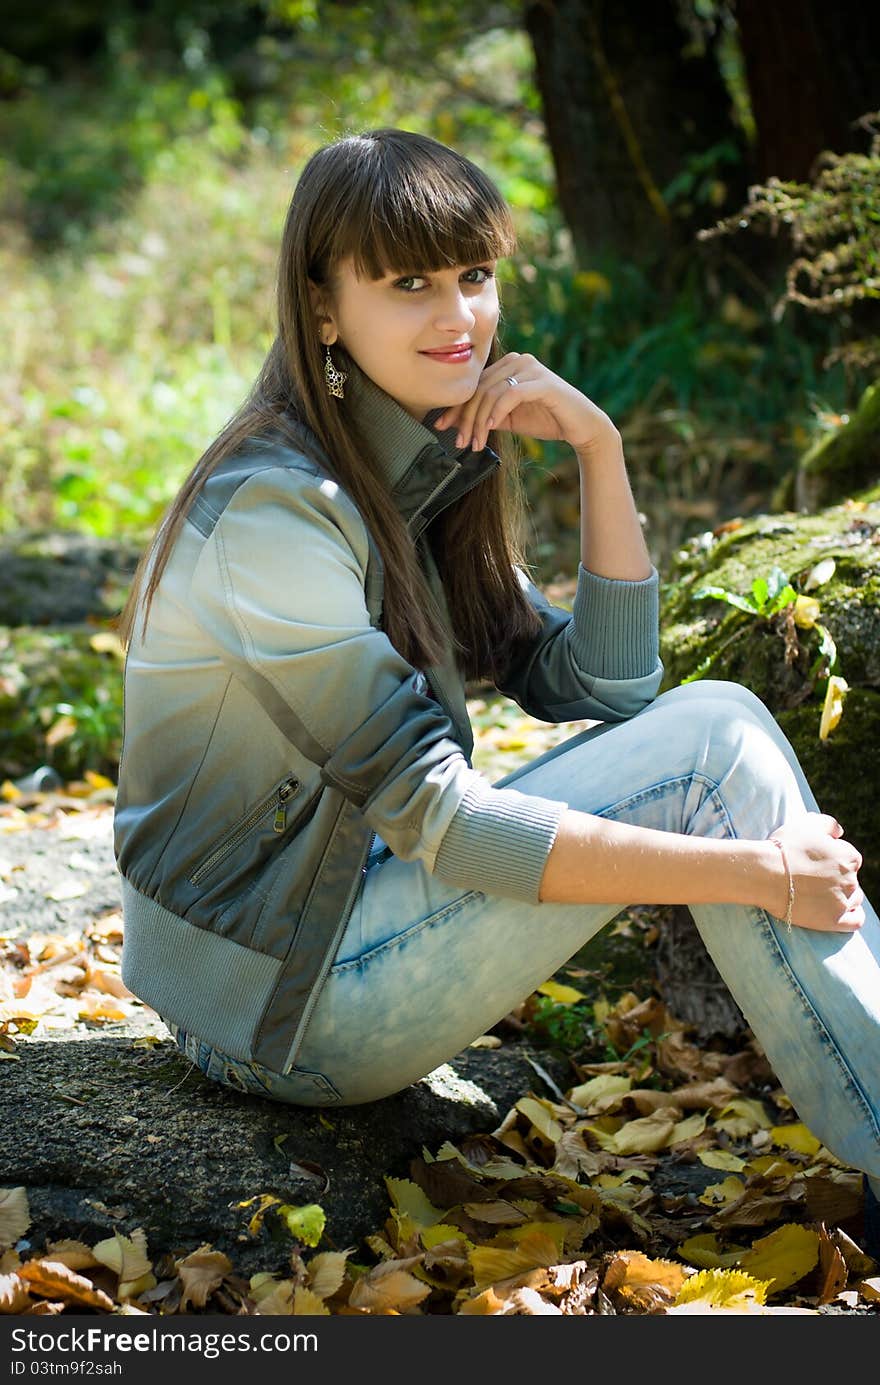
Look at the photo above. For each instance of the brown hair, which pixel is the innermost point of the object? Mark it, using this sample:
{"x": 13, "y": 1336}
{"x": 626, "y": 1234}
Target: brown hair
{"x": 393, "y": 201}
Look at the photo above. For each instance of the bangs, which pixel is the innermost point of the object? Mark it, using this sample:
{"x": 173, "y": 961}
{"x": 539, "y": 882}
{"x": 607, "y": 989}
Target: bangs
{"x": 415, "y": 205}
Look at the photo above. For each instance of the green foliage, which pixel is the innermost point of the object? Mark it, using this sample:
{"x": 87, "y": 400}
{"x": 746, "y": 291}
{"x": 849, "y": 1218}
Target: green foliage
{"x": 767, "y": 596}
{"x": 60, "y": 703}
{"x": 834, "y": 223}
{"x": 563, "y": 1027}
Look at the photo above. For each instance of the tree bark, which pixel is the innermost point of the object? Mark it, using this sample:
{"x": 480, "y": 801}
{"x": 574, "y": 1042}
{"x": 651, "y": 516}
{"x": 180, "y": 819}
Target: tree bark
{"x": 812, "y": 69}
{"x": 627, "y": 103}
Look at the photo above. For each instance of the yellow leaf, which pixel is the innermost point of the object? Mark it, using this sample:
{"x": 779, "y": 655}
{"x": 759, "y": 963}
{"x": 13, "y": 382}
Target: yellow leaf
{"x": 705, "y": 1251}
{"x": 106, "y": 642}
{"x": 264, "y": 1202}
{"x": 9, "y": 791}
{"x": 741, "y": 1117}
{"x": 721, "y": 1159}
{"x": 306, "y": 1223}
{"x": 540, "y": 1117}
{"x": 306, "y": 1302}
{"x": 795, "y": 1136}
{"x": 728, "y": 1289}
{"x": 720, "y": 1194}
{"x": 276, "y": 1299}
{"x": 261, "y": 1285}
{"x": 563, "y": 995}
{"x": 644, "y": 1136}
{"x": 783, "y": 1257}
{"x": 806, "y": 612}
{"x": 438, "y": 1234}
{"x": 15, "y": 1215}
{"x": 832, "y": 708}
{"x": 327, "y": 1271}
{"x": 133, "y": 1288}
{"x": 60, "y": 730}
{"x": 411, "y": 1201}
{"x": 603, "y": 1085}
{"x": 126, "y": 1256}
{"x": 98, "y": 781}
{"x": 771, "y": 1166}
{"x": 491, "y": 1263}
{"x": 688, "y": 1129}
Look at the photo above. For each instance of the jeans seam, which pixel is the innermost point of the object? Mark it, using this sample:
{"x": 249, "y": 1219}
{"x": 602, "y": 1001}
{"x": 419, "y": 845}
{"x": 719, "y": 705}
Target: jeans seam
{"x": 452, "y": 907}
{"x": 765, "y": 921}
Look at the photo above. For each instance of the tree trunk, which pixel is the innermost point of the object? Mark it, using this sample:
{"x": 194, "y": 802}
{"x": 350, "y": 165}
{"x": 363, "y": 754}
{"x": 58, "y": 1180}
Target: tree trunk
{"x": 812, "y": 69}
{"x": 627, "y": 104}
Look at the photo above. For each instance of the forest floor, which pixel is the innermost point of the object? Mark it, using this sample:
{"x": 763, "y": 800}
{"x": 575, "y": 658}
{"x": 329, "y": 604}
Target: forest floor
{"x": 634, "y": 1172}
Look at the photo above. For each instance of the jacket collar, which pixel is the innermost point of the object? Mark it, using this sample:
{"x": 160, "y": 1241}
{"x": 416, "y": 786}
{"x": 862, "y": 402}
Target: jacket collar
{"x": 424, "y": 469}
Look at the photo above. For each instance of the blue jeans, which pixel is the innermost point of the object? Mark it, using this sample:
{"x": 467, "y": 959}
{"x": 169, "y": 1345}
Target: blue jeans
{"x": 424, "y": 967}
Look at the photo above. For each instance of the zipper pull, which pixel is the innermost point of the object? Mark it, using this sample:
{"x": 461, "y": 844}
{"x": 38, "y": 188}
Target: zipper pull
{"x": 284, "y": 793}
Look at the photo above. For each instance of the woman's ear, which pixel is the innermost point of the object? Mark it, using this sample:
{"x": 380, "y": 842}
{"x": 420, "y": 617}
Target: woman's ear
{"x": 327, "y": 329}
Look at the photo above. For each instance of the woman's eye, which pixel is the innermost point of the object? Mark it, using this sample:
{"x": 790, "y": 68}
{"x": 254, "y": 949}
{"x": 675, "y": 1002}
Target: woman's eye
{"x": 408, "y": 281}
{"x": 483, "y": 270}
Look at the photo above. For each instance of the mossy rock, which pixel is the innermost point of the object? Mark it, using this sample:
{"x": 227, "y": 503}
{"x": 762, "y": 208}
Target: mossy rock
{"x": 60, "y": 700}
{"x": 55, "y": 577}
{"x": 844, "y": 462}
{"x": 780, "y": 661}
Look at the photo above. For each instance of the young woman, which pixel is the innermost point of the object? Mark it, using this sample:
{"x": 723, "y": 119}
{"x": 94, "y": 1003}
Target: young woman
{"x": 323, "y": 898}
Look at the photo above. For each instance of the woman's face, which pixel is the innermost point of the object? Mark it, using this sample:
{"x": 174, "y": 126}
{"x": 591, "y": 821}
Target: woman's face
{"x": 424, "y": 339}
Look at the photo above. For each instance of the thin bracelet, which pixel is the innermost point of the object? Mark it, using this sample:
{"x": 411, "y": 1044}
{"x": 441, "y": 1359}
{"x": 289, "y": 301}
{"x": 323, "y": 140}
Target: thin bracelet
{"x": 787, "y": 919}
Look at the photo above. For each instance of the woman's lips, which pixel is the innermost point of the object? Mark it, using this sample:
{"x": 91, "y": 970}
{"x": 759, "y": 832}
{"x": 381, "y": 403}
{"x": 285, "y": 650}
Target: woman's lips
{"x": 453, "y": 355}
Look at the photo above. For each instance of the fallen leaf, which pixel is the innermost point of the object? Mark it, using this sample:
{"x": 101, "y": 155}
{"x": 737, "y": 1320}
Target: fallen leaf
{"x": 15, "y": 1215}
{"x": 783, "y": 1257}
{"x": 201, "y": 1272}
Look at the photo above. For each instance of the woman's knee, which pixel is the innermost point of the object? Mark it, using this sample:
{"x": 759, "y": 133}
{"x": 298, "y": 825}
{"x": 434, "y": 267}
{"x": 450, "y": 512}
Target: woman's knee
{"x": 726, "y": 730}
{"x": 725, "y": 692}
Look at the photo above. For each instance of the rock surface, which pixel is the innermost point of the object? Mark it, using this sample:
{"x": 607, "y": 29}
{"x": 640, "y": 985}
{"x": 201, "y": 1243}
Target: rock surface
{"x": 778, "y": 659}
{"x": 108, "y": 1126}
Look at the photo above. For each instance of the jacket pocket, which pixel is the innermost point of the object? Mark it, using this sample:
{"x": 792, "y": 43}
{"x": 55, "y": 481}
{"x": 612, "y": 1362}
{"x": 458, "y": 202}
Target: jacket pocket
{"x": 277, "y": 803}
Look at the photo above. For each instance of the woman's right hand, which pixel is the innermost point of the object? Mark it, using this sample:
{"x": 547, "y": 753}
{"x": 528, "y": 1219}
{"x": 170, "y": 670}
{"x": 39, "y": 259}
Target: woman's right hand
{"x": 824, "y": 871}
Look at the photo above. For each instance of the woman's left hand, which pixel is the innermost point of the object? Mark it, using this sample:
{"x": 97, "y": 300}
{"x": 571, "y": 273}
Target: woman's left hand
{"x": 539, "y": 405}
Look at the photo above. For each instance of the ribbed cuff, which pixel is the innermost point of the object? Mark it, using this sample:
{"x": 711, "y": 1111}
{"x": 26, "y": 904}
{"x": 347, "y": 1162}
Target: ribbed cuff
{"x": 614, "y": 630}
{"x": 498, "y": 842}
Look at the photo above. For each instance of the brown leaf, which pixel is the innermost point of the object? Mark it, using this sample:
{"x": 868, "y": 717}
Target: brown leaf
{"x": 200, "y": 1273}
{"x": 832, "y": 1268}
{"x": 446, "y": 1183}
{"x": 834, "y": 1196}
{"x": 499, "y": 1213}
{"x": 389, "y": 1286}
{"x": 76, "y": 1255}
{"x": 54, "y": 1280}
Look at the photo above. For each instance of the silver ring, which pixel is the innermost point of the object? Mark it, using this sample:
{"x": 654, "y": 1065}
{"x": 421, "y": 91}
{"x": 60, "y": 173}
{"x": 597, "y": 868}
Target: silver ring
{"x": 511, "y": 380}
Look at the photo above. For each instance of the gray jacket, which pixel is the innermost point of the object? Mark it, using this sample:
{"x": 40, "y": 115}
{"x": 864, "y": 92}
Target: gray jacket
{"x": 272, "y": 731}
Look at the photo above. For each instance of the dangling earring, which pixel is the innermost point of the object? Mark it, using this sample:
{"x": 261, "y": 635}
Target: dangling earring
{"x": 335, "y": 378}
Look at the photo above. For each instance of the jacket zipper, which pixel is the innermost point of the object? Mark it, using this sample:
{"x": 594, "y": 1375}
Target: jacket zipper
{"x": 440, "y": 486}
{"x": 279, "y": 798}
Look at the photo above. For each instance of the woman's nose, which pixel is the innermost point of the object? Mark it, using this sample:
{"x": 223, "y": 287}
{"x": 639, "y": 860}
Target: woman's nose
{"x": 454, "y": 312}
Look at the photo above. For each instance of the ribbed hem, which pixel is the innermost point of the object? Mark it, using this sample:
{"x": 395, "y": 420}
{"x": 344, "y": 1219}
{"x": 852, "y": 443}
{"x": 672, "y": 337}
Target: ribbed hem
{"x": 498, "y": 842}
{"x": 614, "y": 630}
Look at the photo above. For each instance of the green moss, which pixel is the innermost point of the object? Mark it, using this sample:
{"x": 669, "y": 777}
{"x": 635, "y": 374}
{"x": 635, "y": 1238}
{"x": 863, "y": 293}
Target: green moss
{"x": 776, "y": 659}
{"x": 844, "y": 462}
{"x": 843, "y": 772}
